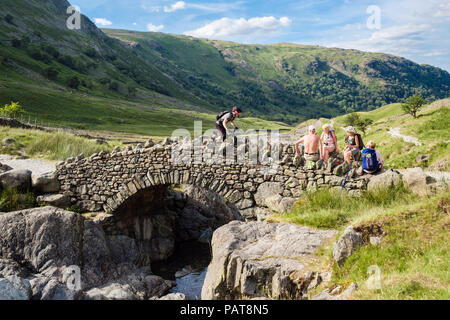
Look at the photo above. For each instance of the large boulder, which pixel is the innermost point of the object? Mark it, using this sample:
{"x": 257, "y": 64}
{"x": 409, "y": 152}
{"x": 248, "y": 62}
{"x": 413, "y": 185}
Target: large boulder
{"x": 336, "y": 294}
{"x": 174, "y": 296}
{"x": 348, "y": 243}
{"x": 18, "y": 179}
{"x": 267, "y": 190}
{"x": 10, "y": 267}
{"x": 390, "y": 178}
{"x": 43, "y": 238}
{"x": 258, "y": 259}
{"x": 203, "y": 209}
{"x": 66, "y": 257}
{"x": 5, "y": 168}
{"x": 256, "y": 213}
{"x": 279, "y": 204}
{"x": 45, "y": 183}
{"x": 139, "y": 285}
{"x": 55, "y": 200}
{"x": 14, "y": 288}
{"x": 417, "y": 180}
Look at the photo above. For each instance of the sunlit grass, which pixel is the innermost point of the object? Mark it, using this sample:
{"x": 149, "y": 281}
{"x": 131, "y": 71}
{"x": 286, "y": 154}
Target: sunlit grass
{"x": 328, "y": 208}
{"x": 50, "y": 145}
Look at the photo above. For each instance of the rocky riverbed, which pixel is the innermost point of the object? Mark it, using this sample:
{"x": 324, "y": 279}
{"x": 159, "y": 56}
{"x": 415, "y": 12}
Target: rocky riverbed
{"x": 163, "y": 243}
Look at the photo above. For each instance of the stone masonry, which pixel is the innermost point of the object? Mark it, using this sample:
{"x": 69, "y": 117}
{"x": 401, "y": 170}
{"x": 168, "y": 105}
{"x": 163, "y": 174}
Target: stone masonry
{"x": 106, "y": 180}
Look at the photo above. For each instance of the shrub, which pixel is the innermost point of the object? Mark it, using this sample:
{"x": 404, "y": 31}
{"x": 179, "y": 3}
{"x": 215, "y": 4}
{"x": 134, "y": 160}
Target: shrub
{"x": 67, "y": 61}
{"x": 105, "y": 81}
{"x": 114, "y": 86}
{"x": 413, "y": 104}
{"x": 51, "y": 73}
{"x": 11, "y": 110}
{"x": 355, "y": 120}
{"x": 131, "y": 90}
{"x": 51, "y": 51}
{"x": 35, "y": 53}
{"x": 16, "y": 43}
{"x": 74, "y": 82}
{"x": 12, "y": 200}
{"x": 75, "y": 209}
{"x": 9, "y": 18}
{"x": 92, "y": 53}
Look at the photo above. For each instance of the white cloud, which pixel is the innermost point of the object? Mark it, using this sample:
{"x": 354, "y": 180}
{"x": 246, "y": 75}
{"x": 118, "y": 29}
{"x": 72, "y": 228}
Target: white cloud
{"x": 151, "y": 27}
{"x": 404, "y": 39}
{"x": 436, "y": 53}
{"x": 400, "y": 32}
{"x": 176, "y": 6}
{"x": 231, "y": 27}
{"x": 102, "y": 22}
{"x": 215, "y": 7}
{"x": 443, "y": 11}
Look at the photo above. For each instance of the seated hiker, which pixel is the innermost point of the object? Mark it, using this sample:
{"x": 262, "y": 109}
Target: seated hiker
{"x": 224, "y": 118}
{"x": 329, "y": 141}
{"x": 372, "y": 161}
{"x": 354, "y": 145}
{"x": 311, "y": 142}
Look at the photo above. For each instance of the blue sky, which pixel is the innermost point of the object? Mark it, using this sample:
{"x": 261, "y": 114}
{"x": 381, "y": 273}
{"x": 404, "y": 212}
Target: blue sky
{"x": 415, "y": 29}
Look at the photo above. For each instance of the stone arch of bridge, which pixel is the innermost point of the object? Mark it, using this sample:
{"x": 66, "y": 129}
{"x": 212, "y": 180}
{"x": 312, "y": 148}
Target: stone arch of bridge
{"x": 151, "y": 180}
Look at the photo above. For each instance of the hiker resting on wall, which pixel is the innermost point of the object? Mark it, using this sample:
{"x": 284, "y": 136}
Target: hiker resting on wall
{"x": 353, "y": 145}
{"x": 224, "y": 118}
{"x": 329, "y": 141}
{"x": 312, "y": 145}
{"x": 372, "y": 161}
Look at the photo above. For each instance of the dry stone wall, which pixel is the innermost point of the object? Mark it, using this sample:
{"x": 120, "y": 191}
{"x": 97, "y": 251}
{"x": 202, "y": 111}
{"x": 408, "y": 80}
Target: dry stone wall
{"x": 106, "y": 180}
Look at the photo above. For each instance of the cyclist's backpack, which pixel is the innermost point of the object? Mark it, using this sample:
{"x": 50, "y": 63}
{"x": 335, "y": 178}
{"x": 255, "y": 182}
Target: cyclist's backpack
{"x": 369, "y": 160}
{"x": 361, "y": 143}
{"x": 222, "y": 114}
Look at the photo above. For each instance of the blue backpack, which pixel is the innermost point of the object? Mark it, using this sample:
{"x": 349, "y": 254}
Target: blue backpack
{"x": 369, "y": 160}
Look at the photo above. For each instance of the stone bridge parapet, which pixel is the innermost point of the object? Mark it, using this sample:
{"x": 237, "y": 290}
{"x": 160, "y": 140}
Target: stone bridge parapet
{"x": 106, "y": 180}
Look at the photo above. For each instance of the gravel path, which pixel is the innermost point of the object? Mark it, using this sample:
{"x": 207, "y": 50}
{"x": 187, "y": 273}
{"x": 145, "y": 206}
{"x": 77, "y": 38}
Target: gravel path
{"x": 395, "y": 132}
{"x": 34, "y": 165}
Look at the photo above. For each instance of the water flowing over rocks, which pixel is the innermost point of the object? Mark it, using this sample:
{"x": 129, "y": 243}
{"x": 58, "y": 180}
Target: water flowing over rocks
{"x": 258, "y": 259}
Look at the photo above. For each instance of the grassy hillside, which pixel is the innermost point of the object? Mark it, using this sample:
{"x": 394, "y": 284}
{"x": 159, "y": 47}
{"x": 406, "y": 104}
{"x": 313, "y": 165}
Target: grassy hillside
{"x": 98, "y": 79}
{"x": 286, "y": 81}
{"x": 413, "y": 255}
{"x": 430, "y": 128}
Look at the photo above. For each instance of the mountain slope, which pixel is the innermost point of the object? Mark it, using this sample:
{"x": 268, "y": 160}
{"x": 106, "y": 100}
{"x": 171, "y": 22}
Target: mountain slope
{"x": 285, "y": 80}
{"x": 124, "y": 80}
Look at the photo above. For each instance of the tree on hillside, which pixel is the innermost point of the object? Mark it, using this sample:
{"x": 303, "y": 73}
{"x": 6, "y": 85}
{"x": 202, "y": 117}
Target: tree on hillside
{"x": 363, "y": 124}
{"x": 9, "y": 18}
{"x": 16, "y": 43}
{"x": 356, "y": 121}
{"x": 114, "y": 86}
{"x": 352, "y": 119}
{"x": 131, "y": 91}
{"x": 11, "y": 110}
{"x": 413, "y": 104}
{"x": 74, "y": 82}
{"x": 51, "y": 73}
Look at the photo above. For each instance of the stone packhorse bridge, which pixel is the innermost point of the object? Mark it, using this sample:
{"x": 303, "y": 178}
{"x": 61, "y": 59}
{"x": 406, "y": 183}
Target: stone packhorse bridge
{"x": 106, "y": 180}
